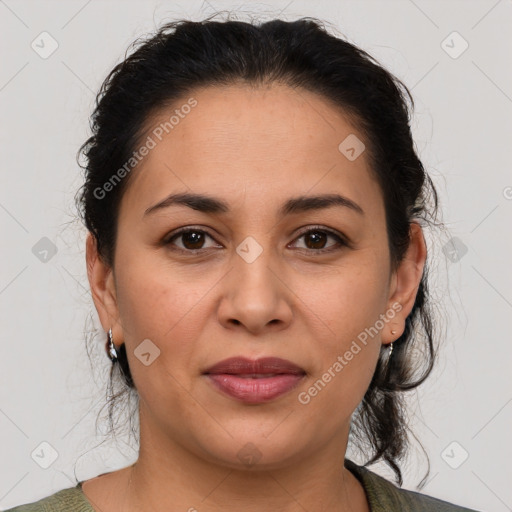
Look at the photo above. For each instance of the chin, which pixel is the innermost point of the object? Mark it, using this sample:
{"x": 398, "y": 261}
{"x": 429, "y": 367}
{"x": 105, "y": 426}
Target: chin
{"x": 253, "y": 453}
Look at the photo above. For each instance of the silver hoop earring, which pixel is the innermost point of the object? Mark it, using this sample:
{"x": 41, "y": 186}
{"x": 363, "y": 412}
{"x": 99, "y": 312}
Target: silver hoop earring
{"x": 387, "y": 359}
{"x": 111, "y": 348}
{"x": 390, "y": 351}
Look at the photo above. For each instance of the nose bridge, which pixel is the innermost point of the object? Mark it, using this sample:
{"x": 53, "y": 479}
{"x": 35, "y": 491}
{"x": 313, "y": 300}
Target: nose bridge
{"x": 253, "y": 264}
{"x": 255, "y": 295}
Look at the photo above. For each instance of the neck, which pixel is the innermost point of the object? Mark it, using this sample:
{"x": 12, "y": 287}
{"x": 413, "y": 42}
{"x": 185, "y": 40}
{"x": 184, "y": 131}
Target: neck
{"x": 167, "y": 476}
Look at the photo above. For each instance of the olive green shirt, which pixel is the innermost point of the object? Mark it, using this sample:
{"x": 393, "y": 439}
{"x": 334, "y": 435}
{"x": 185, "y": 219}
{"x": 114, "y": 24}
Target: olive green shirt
{"x": 382, "y": 495}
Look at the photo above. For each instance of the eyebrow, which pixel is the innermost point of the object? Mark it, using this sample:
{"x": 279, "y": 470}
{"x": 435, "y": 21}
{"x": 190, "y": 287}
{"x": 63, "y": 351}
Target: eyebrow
{"x": 208, "y": 204}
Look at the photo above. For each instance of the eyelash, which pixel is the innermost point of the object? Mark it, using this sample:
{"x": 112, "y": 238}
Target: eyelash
{"x": 342, "y": 241}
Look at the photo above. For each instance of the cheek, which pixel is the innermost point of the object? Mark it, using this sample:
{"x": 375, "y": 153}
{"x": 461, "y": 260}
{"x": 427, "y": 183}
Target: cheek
{"x": 165, "y": 307}
{"x": 350, "y": 301}
{"x": 349, "y": 341}
{"x": 360, "y": 299}
{"x": 155, "y": 305}
{"x": 346, "y": 356}
{"x": 154, "y": 296}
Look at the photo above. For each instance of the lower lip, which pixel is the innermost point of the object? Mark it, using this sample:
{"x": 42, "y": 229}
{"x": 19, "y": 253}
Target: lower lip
{"x": 255, "y": 391}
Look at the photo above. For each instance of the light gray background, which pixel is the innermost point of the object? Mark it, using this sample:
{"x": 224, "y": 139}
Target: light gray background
{"x": 462, "y": 127}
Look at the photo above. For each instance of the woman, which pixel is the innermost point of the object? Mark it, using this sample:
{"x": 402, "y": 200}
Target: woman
{"x": 255, "y": 209}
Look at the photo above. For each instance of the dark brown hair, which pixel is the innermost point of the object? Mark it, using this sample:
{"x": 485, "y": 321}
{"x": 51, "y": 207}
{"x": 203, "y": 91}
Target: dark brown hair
{"x": 184, "y": 55}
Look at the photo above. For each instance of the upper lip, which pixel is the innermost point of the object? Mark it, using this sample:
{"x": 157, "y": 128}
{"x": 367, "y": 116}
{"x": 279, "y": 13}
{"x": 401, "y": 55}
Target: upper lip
{"x": 265, "y": 365}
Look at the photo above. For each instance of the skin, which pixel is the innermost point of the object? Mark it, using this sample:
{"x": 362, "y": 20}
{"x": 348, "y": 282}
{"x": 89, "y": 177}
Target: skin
{"x": 253, "y": 148}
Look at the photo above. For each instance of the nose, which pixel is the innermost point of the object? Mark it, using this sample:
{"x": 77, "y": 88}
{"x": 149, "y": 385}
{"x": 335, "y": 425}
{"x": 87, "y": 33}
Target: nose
{"x": 255, "y": 296}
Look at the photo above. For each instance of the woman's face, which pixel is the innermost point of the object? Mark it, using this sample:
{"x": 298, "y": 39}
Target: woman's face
{"x": 250, "y": 280}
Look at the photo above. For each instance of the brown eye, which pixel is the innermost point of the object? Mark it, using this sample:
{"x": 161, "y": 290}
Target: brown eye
{"x": 316, "y": 240}
{"x": 191, "y": 239}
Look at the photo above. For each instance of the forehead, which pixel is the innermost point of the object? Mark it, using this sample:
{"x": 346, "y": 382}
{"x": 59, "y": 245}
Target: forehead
{"x": 259, "y": 143}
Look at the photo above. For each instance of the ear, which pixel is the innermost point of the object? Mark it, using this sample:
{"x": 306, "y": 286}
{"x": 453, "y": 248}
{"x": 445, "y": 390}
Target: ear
{"x": 101, "y": 282}
{"x": 405, "y": 282}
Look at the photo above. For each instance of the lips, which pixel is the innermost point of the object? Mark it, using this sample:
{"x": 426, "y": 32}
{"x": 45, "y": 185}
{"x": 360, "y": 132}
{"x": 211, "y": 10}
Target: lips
{"x": 264, "y": 367}
{"x": 255, "y": 382}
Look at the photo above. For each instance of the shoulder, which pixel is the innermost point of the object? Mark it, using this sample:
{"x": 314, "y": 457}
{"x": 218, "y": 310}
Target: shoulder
{"x": 384, "y": 495}
{"x": 66, "y": 500}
